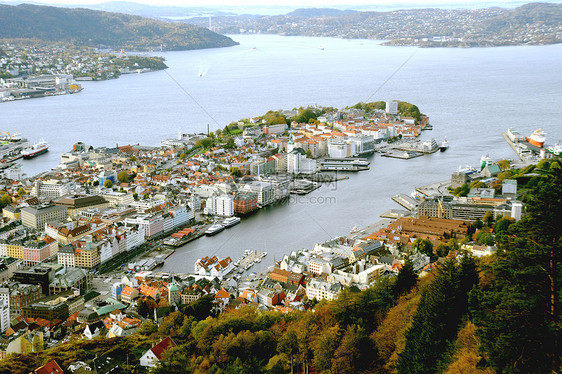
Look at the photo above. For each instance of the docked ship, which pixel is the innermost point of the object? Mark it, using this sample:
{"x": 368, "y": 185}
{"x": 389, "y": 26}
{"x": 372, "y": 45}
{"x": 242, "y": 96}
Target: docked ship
{"x": 35, "y": 150}
{"x": 556, "y": 150}
{"x": 214, "y": 229}
{"x": 537, "y": 138}
{"x": 444, "y": 145}
{"x": 229, "y": 222}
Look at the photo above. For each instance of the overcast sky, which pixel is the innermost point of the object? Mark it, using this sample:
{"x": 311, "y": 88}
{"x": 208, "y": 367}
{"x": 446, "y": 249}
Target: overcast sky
{"x": 307, "y": 3}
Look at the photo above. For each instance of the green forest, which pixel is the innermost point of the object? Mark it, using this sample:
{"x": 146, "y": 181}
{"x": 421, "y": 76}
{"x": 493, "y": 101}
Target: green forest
{"x": 496, "y": 314}
{"x": 84, "y": 27}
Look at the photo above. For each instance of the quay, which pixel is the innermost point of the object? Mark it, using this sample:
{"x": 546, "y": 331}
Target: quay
{"x": 396, "y": 213}
{"x": 438, "y": 188}
{"x": 405, "y": 155}
{"x": 249, "y": 259}
{"x": 366, "y": 231}
{"x": 514, "y": 146}
{"x": 406, "y": 201}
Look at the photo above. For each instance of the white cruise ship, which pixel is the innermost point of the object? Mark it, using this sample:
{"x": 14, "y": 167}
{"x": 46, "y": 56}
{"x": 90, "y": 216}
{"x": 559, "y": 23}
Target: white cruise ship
{"x": 229, "y": 222}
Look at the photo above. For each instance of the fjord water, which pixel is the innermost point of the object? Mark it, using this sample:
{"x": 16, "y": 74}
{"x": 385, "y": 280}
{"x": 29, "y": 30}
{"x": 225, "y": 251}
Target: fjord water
{"x": 471, "y": 96}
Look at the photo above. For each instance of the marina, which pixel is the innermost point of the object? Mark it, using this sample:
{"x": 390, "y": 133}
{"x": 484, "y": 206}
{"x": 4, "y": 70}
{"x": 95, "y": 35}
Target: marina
{"x": 249, "y": 259}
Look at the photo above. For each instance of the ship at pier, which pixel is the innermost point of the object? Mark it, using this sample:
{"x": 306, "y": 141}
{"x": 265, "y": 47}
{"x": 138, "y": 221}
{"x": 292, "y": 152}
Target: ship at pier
{"x": 35, "y": 150}
{"x": 537, "y": 138}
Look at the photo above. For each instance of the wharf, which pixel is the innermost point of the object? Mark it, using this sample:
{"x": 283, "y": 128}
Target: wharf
{"x": 396, "y": 213}
{"x": 404, "y": 155}
{"x": 366, "y": 231}
{"x": 513, "y": 146}
{"x": 406, "y": 201}
{"x": 174, "y": 242}
{"x": 433, "y": 189}
{"x": 249, "y": 259}
{"x": 303, "y": 186}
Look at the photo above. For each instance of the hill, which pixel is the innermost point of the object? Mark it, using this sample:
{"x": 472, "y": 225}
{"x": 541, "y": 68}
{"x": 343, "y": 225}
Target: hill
{"x": 97, "y": 28}
{"x": 537, "y": 23}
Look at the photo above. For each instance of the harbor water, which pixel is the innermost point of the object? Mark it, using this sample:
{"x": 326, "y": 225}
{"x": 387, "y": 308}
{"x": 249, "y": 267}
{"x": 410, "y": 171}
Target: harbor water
{"x": 471, "y": 96}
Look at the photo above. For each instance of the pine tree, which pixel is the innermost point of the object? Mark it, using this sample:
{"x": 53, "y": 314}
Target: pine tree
{"x": 437, "y": 318}
{"x": 517, "y": 312}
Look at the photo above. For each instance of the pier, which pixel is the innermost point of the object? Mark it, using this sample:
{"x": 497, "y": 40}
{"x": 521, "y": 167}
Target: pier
{"x": 406, "y": 201}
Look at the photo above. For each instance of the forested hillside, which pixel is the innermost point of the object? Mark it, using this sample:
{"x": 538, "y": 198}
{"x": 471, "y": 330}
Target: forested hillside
{"x": 96, "y": 28}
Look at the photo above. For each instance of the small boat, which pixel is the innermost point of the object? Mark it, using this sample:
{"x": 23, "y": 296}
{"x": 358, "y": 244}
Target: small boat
{"x": 214, "y": 229}
{"x": 229, "y": 222}
{"x": 444, "y": 145}
{"x": 353, "y": 230}
{"x": 320, "y": 48}
{"x": 35, "y": 150}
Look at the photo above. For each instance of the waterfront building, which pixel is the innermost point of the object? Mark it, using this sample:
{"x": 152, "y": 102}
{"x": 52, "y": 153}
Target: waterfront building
{"x": 245, "y": 202}
{"x": 281, "y": 187}
{"x": 36, "y": 217}
{"x": 264, "y": 190}
{"x": 224, "y": 206}
{"x": 213, "y": 266}
{"x": 339, "y": 148}
{"x": 297, "y": 163}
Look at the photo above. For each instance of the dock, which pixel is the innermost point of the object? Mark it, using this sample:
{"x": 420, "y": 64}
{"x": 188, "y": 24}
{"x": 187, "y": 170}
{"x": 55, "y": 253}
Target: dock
{"x": 406, "y": 201}
{"x": 405, "y": 155}
{"x": 396, "y": 213}
{"x": 513, "y": 146}
{"x": 438, "y": 188}
{"x": 249, "y": 259}
{"x": 366, "y": 231}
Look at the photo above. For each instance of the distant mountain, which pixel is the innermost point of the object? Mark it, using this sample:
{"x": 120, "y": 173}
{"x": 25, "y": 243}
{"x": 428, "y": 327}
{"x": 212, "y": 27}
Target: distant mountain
{"x": 535, "y": 23}
{"x": 319, "y": 12}
{"x": 98, "y": 28}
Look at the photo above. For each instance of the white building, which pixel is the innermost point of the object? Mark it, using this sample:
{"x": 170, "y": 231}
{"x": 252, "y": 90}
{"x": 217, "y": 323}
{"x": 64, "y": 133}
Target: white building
{"x": 118, "y": 198}
{"x": 265, "y": 191}
{"x": 52, "y": 188}
{"x": 224, "y": 206}
{"x": 392, "y": 107}
{"x": 340, "y": 149}
{"x": 4, "y": 315}
{"x": 319, "y": 289}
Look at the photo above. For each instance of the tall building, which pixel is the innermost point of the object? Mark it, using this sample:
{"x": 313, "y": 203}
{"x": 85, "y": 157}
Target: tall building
{"x": 392, "y": 107}
{"x": 4, "y": 315}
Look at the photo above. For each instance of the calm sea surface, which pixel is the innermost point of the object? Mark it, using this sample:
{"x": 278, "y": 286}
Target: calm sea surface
{"x": 471, "y": 96}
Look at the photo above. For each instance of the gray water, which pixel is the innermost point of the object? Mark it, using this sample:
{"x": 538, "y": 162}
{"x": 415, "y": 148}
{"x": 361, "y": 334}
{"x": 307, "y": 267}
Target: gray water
{"x": 471, "y": 96}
